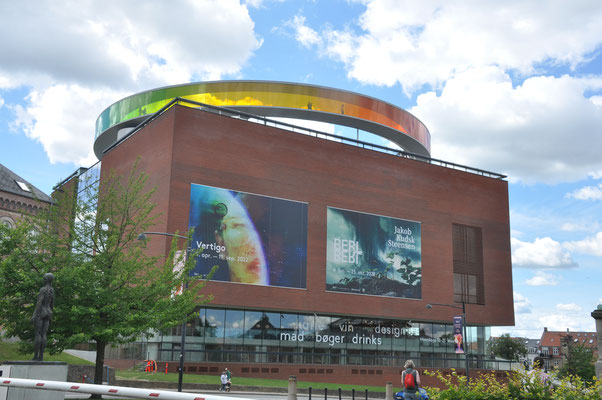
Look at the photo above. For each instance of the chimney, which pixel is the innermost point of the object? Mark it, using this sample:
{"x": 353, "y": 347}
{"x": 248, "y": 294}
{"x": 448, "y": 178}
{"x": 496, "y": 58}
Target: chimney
{"x": 545, "y": 328}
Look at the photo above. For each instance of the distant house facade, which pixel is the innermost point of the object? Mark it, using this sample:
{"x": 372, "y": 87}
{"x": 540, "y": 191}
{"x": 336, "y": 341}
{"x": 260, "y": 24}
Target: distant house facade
{"x": 553, "y": 345}
{"x": 18, "y": 197}
{"x": 532, "y": 346}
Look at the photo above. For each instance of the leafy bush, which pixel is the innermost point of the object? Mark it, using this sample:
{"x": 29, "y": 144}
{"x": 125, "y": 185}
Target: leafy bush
{"x": 520, "y": 385}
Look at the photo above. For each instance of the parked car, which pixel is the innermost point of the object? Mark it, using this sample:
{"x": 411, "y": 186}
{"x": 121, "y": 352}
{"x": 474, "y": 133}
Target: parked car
{"x": 421, "y": 392}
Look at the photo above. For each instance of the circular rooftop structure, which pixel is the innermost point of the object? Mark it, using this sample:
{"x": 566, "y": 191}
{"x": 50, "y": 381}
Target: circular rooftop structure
{"x": 272, "y": 99}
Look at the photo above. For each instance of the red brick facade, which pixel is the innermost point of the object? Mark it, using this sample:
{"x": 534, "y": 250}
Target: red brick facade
{"x": 185, "y": 146}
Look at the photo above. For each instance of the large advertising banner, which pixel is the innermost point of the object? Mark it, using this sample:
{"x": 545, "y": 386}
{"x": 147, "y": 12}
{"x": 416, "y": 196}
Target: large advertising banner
{"x": 250, "y": 238}
{"x": 371, "y": 254}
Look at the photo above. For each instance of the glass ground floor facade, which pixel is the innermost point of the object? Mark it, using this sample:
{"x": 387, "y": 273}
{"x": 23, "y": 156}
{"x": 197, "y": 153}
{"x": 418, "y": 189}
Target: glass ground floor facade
{"x": 255, "y": 336}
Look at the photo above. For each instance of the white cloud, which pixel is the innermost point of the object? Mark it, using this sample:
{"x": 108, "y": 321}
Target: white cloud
{"x": 481, "y": 119}
{"x": 260, "y": 3}
{"x": 467, "y": 51}
{"x": 524, "y": 327}
{"x": 304, "y": 34}
{"x": 417, "y": 43}
{"x": 590, "y": 245}
{"x": 124, "y": 45}
{"x": 254, "y": 3}
{"x": 81, "y": 56}
{"x": 543, "y": 253}
{"x": 570, "y": 227}
{"x": 557, "y": 318}
{"x": 587, "y": 193}
{"x": 542, "y": 278}
{"x": 569, "y": 307}
{"x": 597, "y": 100}
{"x": 582, "y": 226}
{"x": 62, "y": 119}
{"x": 561, "y": 320}
{"x": 522, "y": 305}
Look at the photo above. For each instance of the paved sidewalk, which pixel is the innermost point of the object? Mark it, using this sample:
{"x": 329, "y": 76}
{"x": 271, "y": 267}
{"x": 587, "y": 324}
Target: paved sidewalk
{"x": 84, "y": 354}
{"x": 247, "y": 395}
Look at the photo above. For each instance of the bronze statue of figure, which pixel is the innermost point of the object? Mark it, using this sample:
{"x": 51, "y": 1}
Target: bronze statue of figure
{"x": 42, "y": 316}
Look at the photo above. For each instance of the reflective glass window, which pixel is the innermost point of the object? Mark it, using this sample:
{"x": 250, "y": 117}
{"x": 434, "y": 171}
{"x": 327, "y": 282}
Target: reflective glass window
{"x": 234, "y": 326}
{"x": 385, "y": 332}
{"x": 306, "y": 331}
{"x": 262, "y": 337}
{"x": 214, "y": 326}
{"x": 412, "y": 336}
{"x": 232, "y": 353}
{"x": 486, "y": 337}
{"x": 341, "y": 331}
{"x": 198, "y": 328}
{"x": 324, "y": 337}
{"x": 398, "y": 334}
{"x": 443, "y": 340}
{"x": 353, "y": 343}
{"x": 253, "y": 327}
{"x": 271, "y": 329}
{"x": 289, "y": 335}
{"x": 426, "y": 337}
{"x": 472, "y": 343}
{"x": 251, "y": 354}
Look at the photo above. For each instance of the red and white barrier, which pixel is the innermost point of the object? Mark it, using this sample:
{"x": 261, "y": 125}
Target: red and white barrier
{"x": 135, "y": 393}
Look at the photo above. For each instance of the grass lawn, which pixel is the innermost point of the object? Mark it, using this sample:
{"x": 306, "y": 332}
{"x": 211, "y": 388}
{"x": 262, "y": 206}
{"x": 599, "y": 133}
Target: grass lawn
{"x": 8, "y": 352}
{"x": 214, "y": 380}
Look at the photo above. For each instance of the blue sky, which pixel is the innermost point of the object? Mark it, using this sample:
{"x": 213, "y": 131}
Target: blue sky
{"x": 512, "y": 87}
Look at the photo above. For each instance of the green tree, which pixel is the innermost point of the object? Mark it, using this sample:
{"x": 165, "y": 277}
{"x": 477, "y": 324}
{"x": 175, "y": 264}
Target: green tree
{"x": 579, "y": 361}
{"x": 508, "y": 347}
{"x": 108, "y": 290}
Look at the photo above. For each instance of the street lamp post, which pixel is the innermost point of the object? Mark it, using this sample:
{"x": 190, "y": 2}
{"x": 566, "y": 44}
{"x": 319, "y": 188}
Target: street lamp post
{"x": 463, "y": 308}
{"x": 143, "y": 237}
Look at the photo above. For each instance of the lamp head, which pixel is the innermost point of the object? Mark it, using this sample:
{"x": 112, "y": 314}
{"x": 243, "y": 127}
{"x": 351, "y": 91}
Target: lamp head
{"x": 142, "y": 237}
{"x": 429, "y": 306}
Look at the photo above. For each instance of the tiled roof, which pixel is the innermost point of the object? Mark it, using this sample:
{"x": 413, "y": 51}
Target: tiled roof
{"x": 555, "y": 338}
{"x": 13, "y": 183}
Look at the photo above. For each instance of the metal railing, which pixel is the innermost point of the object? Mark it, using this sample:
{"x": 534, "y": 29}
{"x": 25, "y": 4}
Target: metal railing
{"x": 307, "y": 131}
{"x": 324, "y": 360}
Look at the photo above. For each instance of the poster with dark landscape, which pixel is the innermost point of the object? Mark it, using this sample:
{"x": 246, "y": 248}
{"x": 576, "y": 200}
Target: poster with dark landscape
{"x": 373, "y": 255}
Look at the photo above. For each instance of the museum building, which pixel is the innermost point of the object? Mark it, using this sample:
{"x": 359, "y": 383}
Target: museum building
{"x": 331, "y": 226}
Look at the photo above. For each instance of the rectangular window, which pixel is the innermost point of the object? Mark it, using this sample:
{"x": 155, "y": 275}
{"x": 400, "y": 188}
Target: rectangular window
{"x": 555, "y": 351}
{"x": 468, "y": 264}
{"x": 23, "y": 186}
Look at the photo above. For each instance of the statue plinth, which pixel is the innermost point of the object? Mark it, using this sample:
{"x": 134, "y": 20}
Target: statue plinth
{"x": 597, "y": 315}
{"x": 43, "y": 370}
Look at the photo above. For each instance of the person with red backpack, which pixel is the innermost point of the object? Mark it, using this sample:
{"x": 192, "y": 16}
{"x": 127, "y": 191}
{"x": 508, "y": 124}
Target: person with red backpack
{"x": 410, "y": 381}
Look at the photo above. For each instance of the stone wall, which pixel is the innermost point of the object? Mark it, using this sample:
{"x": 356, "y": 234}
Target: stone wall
{"x": 76, "y": 374}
